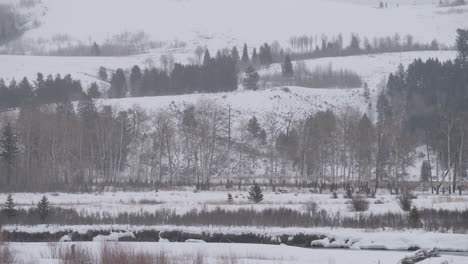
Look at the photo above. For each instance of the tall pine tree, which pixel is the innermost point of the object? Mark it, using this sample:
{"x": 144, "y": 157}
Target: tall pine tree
{"x": 245, "y": 55}
{"x": 9, "y": 210}
{"x": 8, "y": 149}
{"x": 136, "y": 81}
{"x": 118, "y": 87}
{"x": 287, "y": 67}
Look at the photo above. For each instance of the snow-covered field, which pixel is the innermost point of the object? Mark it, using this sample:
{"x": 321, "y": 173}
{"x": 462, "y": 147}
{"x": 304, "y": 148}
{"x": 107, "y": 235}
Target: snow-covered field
{"x": 241, "y": 21}
{"x": 184, "y": 201}
{"x": 218, "y": 24}
{"x": 244, "y": 253}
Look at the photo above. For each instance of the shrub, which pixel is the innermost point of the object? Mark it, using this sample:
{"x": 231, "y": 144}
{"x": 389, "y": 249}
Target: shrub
{"x": 255, "y": 193}
{"x": 311, "y": 206}
{"x": 360, "y": 203}
{"x": 404, "y": 200}
{"x": 414, "y": 218}
{"x": 229, "y": 198}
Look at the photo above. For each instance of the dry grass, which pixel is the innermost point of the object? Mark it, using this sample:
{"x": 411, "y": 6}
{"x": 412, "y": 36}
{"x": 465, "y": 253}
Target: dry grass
{"x": 70, "y": 254}
{"x": 7, "y": 256}
{"x": 450, "y": 199}
{"x": 115, "y": 253}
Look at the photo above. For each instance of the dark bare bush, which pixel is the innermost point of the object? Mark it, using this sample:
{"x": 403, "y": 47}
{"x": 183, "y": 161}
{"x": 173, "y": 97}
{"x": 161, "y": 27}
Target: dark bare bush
{"x": 360, "y": 203}
{"x": 147, "y": 201}
{"x": 311, "y": 206}
{"x": 405, "y": 202}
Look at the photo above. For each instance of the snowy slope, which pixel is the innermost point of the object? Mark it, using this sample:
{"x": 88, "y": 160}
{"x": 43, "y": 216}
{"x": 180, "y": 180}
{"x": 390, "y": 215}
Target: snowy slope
{"x": 299, "y": 101}
{"x": 219, "y": 24}
{"x": 374, "y": 68}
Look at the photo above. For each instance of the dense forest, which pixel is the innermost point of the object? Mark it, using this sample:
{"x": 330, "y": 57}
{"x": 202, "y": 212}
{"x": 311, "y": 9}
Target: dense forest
{"x": 67, "y": 146}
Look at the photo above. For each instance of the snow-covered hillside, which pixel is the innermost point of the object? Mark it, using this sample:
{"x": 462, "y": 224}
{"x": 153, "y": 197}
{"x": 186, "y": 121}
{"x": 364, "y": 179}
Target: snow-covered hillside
{"x": 239, "y": 21}
{"x": 297, "y": 100}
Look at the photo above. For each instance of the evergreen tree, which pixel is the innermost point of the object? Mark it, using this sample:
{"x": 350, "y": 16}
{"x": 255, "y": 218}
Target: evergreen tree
{"x": 93, "y": 91}
{"x": 24, "y": 91}
{"x": 251, "y": 79}
{"x": 245, "y": 55}
{"x": 87, "y": 112}
{"x": 43, "y": 209}
{"x": 462, "y": 47}
{"x": 235, "y": 54}
{"x": 95, "y": 50}
{"x": 287, "y": 67}
{"x": 103, "y": 74}
{"x": 253, "y": 127}
{"x": 136, "y": 81}
{"x": 425, "y": 171}
{"x": 206, "y": 57}
{"x": 5, "y": 96}
{"x": 9, "y": 209}
{"x": 254, "y": 57}
{"x": 355, "y": 45}
{"x": 264, "y": 56}
{"x": 118, "y": 87}
{"x": 255, "y": 193}
{"x": 414, "y": 218}
{"x": 8, "y": 149}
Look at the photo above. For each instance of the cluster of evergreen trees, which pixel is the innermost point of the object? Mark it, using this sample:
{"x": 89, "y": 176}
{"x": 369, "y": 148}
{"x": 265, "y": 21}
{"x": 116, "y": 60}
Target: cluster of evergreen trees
{"x": 429, "y": 101}
{"x": 218, "y": 74}
{"x": 264, "y": 57}
{"x": 42, "y": 210}
{"x": 40, "y": 92}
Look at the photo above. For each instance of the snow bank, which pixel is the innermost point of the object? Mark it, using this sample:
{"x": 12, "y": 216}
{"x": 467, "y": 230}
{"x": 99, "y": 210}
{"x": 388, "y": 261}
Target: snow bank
{"x": 340, "y": 237}
{"x": 115, "y": 237}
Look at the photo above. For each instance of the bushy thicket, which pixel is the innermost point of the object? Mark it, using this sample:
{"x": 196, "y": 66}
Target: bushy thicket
{"x": 430, "y": 219}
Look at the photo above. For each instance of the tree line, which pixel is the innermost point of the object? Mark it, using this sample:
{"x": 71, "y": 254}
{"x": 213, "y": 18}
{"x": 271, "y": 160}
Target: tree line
{"x": 215, "y": 74}
{"x": 429, "y": 101}
{"x": 309, "y": 47}
{"x": 41, "y": 91}
{"x": 65, "y": 146}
